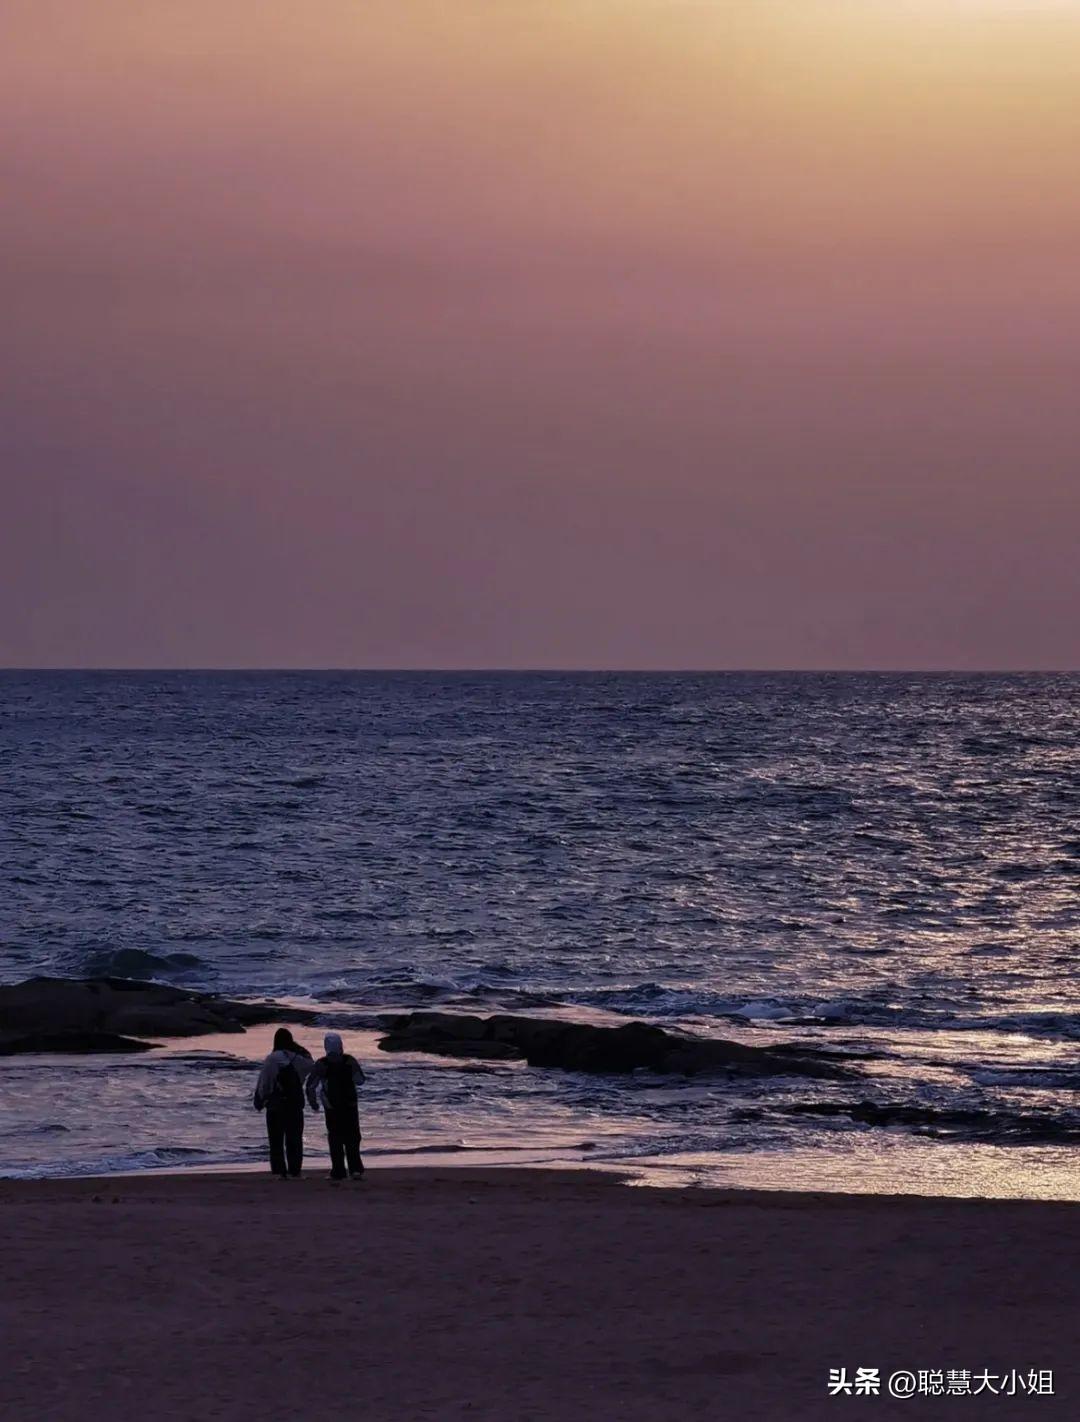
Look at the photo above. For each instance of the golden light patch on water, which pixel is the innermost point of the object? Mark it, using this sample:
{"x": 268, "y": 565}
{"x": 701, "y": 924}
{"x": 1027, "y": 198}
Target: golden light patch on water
{"x": 883, "y": 1165}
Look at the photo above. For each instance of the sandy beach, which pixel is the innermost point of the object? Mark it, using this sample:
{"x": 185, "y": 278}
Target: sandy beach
{"x": 435, "y": 1293}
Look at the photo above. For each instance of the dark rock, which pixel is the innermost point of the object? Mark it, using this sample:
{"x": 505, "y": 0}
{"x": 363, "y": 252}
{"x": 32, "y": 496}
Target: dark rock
{"x": 454, "y": 1047}
{"x": 103, "y": 1014}
{"x": 581, "y": 1047}
{"x": 577, "y": 1046}
{"x": 12, "y": 1045}
{"x": 440, "y": 1025}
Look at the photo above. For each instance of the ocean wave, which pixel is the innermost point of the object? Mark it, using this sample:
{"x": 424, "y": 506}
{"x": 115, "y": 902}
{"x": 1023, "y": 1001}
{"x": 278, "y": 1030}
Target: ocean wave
{"x": 396, "y": 990}
{"x": 973, "y": 1124}
{"x": 672, "y": 1001}
{"x": 652, "y": 999}
{"x": 1056, "y": 1025}
{"x": 154, "y": 1158}
{"x": 140, "y": 963}
{"x": 34, "y": 1128}
{"x": 1039, "y": 1078}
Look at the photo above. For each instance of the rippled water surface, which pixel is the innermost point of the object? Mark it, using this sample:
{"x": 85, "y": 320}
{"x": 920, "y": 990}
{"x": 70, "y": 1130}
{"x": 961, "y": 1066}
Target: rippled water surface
{"x": 888, "y": 864}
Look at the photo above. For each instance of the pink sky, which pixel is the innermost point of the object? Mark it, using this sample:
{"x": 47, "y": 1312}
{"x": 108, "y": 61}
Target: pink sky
{"x": 632, "y": 333}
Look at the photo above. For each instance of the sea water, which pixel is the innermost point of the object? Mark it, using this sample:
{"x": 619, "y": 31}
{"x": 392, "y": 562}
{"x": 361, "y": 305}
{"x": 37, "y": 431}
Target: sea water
{"x": 887, "y": 865}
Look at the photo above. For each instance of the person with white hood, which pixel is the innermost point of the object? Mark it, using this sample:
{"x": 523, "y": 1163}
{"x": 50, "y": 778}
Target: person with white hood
{"x": 280, "y": 1092}
{"x": 331, "y": 1085}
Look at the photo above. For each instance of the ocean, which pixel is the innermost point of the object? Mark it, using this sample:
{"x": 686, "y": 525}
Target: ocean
{"x": 887, "y": 865}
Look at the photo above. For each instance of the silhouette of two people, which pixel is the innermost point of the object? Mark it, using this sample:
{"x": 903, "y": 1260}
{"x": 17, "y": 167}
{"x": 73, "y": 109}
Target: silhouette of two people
{"x": 330, "y": 1085}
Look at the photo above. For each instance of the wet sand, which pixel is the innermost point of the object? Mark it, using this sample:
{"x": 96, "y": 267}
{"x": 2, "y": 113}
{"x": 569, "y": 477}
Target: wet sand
{"x": 436, "y": 1293}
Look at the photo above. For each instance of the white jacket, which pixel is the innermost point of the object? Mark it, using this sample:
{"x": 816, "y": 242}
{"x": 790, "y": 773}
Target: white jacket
{"x": 264, "y": 1087}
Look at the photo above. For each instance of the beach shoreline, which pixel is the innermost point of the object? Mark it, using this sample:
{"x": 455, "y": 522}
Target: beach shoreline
{"x": 426, "y": 1110}
{"x": 645, "y": 1173}
{"x": 432, "y": 1292}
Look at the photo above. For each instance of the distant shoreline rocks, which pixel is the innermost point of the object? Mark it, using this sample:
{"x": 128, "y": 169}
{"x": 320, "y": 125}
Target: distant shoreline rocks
{"x": 574, "y": 1046}
{"x": 110, "y": 1014}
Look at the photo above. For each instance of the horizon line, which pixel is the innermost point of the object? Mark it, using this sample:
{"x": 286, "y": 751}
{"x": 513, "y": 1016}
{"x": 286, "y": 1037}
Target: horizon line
{"x": 553, "y": 670}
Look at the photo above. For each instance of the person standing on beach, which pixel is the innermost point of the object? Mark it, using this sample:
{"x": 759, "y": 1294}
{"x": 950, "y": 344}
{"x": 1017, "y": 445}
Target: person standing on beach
{"x": 280, "y": 1092}
{"x": 332, "y": 1085}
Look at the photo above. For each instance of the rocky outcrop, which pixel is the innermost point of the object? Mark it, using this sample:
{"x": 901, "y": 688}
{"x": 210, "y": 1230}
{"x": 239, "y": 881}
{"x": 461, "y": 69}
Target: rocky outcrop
{"x": 575, "y": 1046}
{"x": 69, "y": 1042}
{"x": 108, "y": 1014}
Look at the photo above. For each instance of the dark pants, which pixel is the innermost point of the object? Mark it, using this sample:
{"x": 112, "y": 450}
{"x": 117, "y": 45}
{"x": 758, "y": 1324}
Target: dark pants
{"x": 343, "y": 1138}
{"x": 285, "y": 1131}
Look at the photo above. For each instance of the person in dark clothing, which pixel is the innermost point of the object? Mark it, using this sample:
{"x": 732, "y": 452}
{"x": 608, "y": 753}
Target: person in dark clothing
{"x": 280, "y": 1092}
{"x": 331, "y": 1084}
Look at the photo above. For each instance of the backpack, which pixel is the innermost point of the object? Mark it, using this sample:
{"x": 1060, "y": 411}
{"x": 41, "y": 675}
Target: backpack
{"x": 287, "y": 1094}
{"x": 340, "y": 1086}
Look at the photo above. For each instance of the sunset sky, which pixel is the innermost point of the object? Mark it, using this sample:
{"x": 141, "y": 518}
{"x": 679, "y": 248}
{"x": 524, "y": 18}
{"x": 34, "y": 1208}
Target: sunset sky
{"x": 613, "y": 333}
